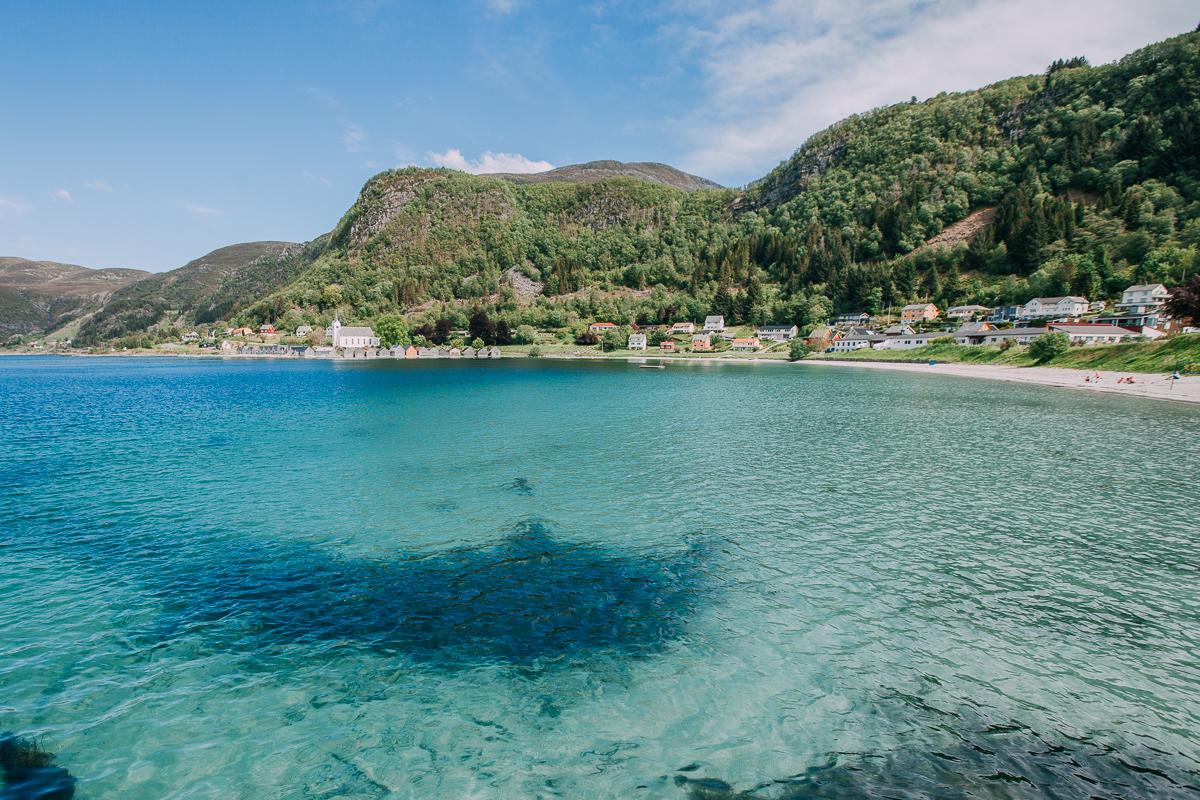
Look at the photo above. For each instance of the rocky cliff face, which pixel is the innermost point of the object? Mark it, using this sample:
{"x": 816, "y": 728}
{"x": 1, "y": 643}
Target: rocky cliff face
{"x": 42, "y": 295}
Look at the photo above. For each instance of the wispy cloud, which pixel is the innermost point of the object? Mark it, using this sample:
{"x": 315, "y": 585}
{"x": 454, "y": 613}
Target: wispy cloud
{"x": 63, "y": 195}
{"x": 12, "y": 206}
{"x": 205, "y": 211}
{"x": 99, "y": 186}
{"x": 488, "y": 162}
{"x": 502, "y": 6}
{"x": 777, "y": 71}
{"x": 354, "y": 138}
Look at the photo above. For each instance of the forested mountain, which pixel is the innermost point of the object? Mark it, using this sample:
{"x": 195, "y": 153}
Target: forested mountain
{"x": 204, "y": 290}
{"x": 599, "y": 170}
{"x": 1083, "y": 179}
{"x": 42, "y": 295}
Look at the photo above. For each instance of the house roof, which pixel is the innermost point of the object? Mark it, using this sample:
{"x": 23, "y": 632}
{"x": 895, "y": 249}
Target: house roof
{"x": 603, "y": 325}
{"x": 1016, "y": 332}
{"x": 776, "y": 327}
{"x": 714, "y": 318}
{"x": 357, "y": 331}
{"x": 969, "y": 308}
{"x": 745, "y": 340}
{"x": 1056, "y": 300}
{"x": 916, "y": 306}
{"x": 1146, "y": 287}
{"x": 1091, "y": 327}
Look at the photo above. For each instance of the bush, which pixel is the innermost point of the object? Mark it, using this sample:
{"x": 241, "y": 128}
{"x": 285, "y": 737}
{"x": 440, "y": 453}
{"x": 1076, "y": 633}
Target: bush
{"x": 535, "y": 352}
{"x": 798, "y": 350}
{"x": 1049, "y": 345}
{"x": 587, "y": 337}
{"x": 526, "y": 334}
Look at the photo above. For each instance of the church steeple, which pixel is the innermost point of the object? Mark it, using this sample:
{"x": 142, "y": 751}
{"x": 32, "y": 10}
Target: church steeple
{"x": 335, "y": 329}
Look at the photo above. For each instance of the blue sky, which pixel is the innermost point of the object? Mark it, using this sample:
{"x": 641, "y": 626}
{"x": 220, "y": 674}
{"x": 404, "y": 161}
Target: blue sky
{"x": 144, "y": 134}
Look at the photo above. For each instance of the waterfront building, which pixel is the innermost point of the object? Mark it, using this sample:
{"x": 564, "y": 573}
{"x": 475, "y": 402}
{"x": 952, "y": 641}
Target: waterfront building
{"x": 1092, "y": 333}
{"x": 682, "y": 328}
{"x": 746, "y": 343}
{"x": 637, "y": 341}
{"x": 350, "y": 336}
{"x": 702, "y": 343}
{"x": 777, "y": 333}
{"x": 1049, "y": 307}
{"x": 714, "y": 323}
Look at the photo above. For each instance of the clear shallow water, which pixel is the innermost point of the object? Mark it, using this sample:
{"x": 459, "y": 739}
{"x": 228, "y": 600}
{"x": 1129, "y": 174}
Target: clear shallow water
{"x": 524, "y": 579}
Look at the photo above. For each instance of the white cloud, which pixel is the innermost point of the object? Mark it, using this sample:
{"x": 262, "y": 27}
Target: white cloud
{"x": 488, "y": 162}
{"x": 64, "y": 195}
{"x": 777, "y": 71}
{"x": 354, "y": 138}
{"x": 12, "y": 206}
{"x": 99, "y": 186}
{"x": 205, "y": 211}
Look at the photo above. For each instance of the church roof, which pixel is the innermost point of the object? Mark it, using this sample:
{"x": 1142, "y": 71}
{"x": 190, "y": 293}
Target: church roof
{"x": 353, "y": 331}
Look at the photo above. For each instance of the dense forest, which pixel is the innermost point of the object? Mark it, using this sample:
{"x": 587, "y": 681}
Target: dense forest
{"x": 1079, "y": 180}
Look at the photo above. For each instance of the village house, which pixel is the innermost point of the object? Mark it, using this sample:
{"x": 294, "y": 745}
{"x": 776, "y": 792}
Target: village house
{"x": 468, "y": 352}
{"x": 853, "y": 318}
{"x": 191, "y": 336}
{"x": 819, "y": 337}
{"x": 1050, "y": 307}
{"x": 972, "y": 332}
{"x": 666, "y": 346}
{"x": 1096, "y": 305}
{"x": 347, "y": 336}
{"x": 1014, "y": 335}
{"x": 899, "y": 330}
{"x": 637, "y": 341}
{"x": 702, "y": 343}
{"x": 1087, "y": 333}
{"x": 714, "y": 323}
{"x": 746, "y": 343}
{"x": 266, "y": 328}
{"x": 494, "y": 352}
{"x": 1144, "y": 298}
{"x": 304, "y": 330}
{"x": 907, "y": 342}
{"x": 410, "y": 352}
{"x": 965, "y": 312}
{"x": 856, "y": 341}
{"x": 601, "y": 327}
{"x": 777, "y": 333}
{"x": 242, "y": 332}
{"x": 455, "y": 352}
{"x": 919, "y": 312}
{"x": 682, "y": 328}
{"x": 1005, "y": 313}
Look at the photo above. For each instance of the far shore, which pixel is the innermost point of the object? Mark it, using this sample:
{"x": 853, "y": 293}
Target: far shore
{"x": 1150, "y": 385}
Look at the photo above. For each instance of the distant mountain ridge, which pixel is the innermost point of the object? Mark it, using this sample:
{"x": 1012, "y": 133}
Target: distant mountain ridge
{"x": 201, "y": 290}
{"x": 43, "y": 295}
{"x": 649, "y": 171}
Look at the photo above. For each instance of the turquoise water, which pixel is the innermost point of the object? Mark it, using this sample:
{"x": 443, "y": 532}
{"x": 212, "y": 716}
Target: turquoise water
{"x": 532, "y": 579}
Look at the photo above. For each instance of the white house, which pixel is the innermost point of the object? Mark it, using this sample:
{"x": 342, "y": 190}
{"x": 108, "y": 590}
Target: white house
{"x": 907, "y": 342}
{"x": 351, "y": 336}
{"x": 746, "y": 343}
{"x": 602, "y": 327}
{"x": 856, "y": 341}
{"x": 191, "y": 336}
{"x": 687, "y": 328}
{"x": 304, "y": 330}
{"x": 1046, "y": 307}
{"x": 714, "y": 323}
{"x": 1090, "y": 333}
{"x": 966, "y": 312}
{"x": 1144, "y": 297}
{"x": 637, "y": 341}
{"x": 777, "y": 333}
{"x": 1014, "y": 335}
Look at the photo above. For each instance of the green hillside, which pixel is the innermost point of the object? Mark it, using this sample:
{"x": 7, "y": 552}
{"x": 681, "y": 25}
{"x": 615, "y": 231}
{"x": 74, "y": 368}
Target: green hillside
{"x": 1083, "y": 180}
{"x": 43, "y": 295}
{"x": 202, "y": 290}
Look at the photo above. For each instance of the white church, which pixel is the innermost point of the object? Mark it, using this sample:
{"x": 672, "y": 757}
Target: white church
{"x": 350, "y": 336}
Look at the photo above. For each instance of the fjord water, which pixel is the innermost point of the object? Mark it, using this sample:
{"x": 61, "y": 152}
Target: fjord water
{"x": 533, "y": 579}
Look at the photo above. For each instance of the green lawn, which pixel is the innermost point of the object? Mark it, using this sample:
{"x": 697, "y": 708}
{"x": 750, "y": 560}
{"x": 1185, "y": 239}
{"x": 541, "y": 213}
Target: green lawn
{"x": 1164, "y": 355}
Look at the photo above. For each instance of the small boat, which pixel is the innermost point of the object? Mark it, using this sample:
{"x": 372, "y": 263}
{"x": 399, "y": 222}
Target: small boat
{"x": 652, "y": 366}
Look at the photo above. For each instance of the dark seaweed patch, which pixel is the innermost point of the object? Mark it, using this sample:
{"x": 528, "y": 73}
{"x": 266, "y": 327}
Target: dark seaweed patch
{"x": 521, "y": 486}
{"x": 528, "y": 598}
{"x": 29, "y": 772}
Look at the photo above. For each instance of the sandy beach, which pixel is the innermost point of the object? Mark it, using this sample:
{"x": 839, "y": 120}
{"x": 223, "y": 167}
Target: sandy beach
{"x": 1184, "y": 390}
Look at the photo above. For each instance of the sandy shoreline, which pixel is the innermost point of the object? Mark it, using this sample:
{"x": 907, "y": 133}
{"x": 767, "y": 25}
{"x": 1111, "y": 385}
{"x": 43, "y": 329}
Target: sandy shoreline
{"x": 1159, "y": 387}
